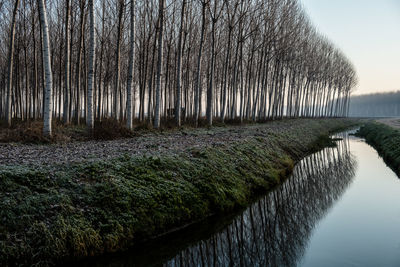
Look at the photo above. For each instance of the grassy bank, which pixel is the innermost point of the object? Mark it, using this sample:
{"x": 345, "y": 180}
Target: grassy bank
{"x": 386, "y": 140}
{"x": 53, "y": 213}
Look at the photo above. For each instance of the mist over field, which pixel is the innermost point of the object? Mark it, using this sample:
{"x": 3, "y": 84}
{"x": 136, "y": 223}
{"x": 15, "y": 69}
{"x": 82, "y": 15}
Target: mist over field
{"x": 375, "y": 105}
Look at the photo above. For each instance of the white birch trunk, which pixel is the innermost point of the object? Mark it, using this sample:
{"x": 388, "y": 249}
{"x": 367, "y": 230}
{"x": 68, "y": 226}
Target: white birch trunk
{"x": 92, "y": 55}
{"x": 129, "y": 106}
{"x": 159, "y": 65}
{"x": 47, "y": 131}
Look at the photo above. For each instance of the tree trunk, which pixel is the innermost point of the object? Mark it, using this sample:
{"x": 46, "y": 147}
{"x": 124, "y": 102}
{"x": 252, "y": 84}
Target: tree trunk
{"x": 10, "y": 64}
{"x": 90, "y": 78}
{"x": 226, "y": 67}
{"x": 117, "y": 57}
{"x": 159, "y": 64}
{"x": 47, "y": 131}
{"x": 178, "y": 104}
{"x": 78, "y": 64}
{"x": 197, "y": 96}
{"x": 129, "y": 111}
{"x": 67, "y": 63}
{"x": 209, "y": 111}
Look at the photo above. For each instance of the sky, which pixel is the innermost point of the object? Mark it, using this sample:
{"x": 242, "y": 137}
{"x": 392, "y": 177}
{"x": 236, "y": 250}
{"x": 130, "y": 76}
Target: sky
{"x": 368, "y": 32}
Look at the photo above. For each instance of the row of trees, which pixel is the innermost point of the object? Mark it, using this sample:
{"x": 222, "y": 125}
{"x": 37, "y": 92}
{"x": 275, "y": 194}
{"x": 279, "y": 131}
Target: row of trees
{"x": 375, "y": 105}
{"x": 158, "y": 60}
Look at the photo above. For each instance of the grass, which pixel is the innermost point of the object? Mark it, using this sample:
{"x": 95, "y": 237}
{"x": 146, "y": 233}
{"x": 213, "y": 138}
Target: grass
{"x": 68, "y": 212}
{"x": 386, "y": 140}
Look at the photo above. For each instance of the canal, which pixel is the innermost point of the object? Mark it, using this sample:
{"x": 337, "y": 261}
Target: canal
{"x": 340, "y": 207}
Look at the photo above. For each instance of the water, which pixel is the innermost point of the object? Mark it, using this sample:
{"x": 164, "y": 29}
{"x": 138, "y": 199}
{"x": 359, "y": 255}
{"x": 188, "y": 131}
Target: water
{"x": 340, "y": 207}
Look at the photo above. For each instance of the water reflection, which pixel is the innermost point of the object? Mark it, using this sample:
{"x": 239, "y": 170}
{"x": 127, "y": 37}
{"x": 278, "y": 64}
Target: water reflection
{"x": 273, "y": 231}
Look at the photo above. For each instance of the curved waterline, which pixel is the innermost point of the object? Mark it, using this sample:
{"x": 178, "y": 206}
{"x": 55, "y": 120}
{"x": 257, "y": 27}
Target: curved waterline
{"x": 273, "y": 231}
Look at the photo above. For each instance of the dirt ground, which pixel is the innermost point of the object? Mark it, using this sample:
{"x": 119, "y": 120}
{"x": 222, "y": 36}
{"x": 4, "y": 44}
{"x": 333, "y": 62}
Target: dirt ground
{"x": 150, "y": 144}
{"x": 153, "y": 143}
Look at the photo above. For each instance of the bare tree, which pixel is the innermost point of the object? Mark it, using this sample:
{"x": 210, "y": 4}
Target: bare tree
{"x": 178, "y": 105}
{"x": 117, "y": 95}
{"x": 129, "y": 104}
{"x": 264, "y": 60}
{"x": 67, "y": 62}
{"x": 10, "y": 63}
{"x": 159, "y": 64}
{"x": 215, "y": 14}
{"x": 197, "y": 98}
{"x": 92, "y": 55}
{"x": 47, "y": 115}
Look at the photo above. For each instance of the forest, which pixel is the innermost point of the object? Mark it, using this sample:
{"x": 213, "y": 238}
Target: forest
{"x": 157, "y": 62}
{"x": 375, "y": 105}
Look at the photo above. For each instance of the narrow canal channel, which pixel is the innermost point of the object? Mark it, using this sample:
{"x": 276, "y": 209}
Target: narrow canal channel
{"x": 340, "y": 207}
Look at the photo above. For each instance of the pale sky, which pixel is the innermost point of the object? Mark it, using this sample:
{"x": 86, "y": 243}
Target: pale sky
{"x": 368, "y": 32}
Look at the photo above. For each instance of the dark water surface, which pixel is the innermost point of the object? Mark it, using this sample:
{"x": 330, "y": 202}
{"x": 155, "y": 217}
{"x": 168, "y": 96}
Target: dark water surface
{"x": 340, "y": 207}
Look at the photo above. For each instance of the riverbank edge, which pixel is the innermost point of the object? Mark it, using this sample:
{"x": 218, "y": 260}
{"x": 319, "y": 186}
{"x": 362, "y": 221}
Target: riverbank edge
{"x": 88, "y": 209}
{"x": 386, "y": 140}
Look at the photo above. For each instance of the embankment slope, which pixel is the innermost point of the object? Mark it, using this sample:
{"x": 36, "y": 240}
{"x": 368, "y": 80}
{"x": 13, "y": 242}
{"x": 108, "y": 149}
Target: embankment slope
{"x": 385, "y": 138}
{"x": 65, "y": 205}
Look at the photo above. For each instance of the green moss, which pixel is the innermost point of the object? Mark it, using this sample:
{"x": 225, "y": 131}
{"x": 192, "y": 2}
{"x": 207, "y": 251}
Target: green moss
{"x": 386, "y": 140}
{"x": 91, "y": 208}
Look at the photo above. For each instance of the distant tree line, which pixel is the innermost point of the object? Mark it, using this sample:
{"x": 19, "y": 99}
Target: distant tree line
{"x": 375, "y": 105}
{"x": 84, "y": 60}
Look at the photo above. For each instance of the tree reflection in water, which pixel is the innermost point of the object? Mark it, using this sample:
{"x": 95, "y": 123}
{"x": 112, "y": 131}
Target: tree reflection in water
{"x": 275, "y": 230}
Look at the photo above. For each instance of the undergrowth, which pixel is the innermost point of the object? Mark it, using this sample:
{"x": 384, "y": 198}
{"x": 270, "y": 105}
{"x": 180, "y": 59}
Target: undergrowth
{"x": 31, "y": 132}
